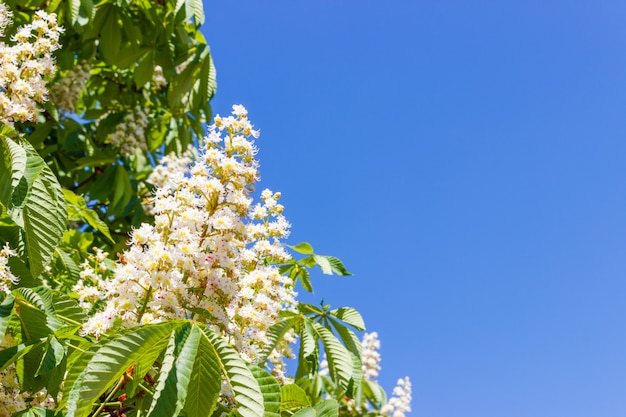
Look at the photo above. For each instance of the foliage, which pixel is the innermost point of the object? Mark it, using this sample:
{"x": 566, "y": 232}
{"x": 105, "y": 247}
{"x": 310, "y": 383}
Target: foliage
{"x": 103, "y": 150}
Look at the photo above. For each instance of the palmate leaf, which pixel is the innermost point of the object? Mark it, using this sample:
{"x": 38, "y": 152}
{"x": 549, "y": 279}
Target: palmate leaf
{"x": 104, "y": 362}
{"x": 192, "y": 368}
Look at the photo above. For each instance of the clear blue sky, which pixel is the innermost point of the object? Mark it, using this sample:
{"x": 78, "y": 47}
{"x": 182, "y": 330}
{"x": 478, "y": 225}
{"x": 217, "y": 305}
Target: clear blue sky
{"x": 467, "y": 161}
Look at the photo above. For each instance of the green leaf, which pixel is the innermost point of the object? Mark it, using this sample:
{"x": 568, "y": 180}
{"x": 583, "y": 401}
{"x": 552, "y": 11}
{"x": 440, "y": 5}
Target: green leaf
{"x": 303, "y": 247}
{"x": 111, "y": 38}
{"x": 340, "y": 362}
{"x": 238, "y": 377}
{"x": 144, "y": 71}
{"x": 74, "y": 6}
{"x": 349, "y": 315}
{"x": 101, "y": 159}
{"x": 78, "y": 210}
{"x": 6, "y": 308}
{"x": 205, "y": 383}
{"x": 275, "y": 334}
{"x": 293, "y": 398}
{"x": 67, "y": 309}
{"x": 305, "y": 412}
{"x": 37, "y": 205}
{"x": 170, "y": 390}
{"x": 374, "y": 393}
{"x": 37, "y": 412}
{"x": 324, "y": 264}
{"x": 123, "y": 188}
{"x": 337, "y": 266}
{"x": 195, "y": 9}
{"x": 36, "y": 313}
{"x": 54, "y": 352}
{"x": 270, "y": 389}
{"x": 327, "y": 408}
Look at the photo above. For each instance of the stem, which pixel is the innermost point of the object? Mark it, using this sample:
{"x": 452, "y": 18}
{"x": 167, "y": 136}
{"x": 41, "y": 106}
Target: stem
{"x": 110, "y": 396}
{"x": 145, "y": 305}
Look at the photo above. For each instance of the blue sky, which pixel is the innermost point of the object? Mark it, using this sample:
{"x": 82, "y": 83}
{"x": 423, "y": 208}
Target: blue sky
{"x": 466, "y": 160}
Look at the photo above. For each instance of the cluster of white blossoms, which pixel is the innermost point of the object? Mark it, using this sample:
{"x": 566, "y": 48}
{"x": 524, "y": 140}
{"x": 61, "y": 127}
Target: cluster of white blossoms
{"x": 94, "y": 270}
{"x": 67, "y": 91}
{"x": 370, "y": 356}
{"x": 400, "y": 403}
{"x": 25, "y": 65}
{"x": 170, "y": 167}
{"x": 211, "y": 253}
{"x": 12, "y": 398}
{"x": 6, "y": 277}
{"x": 130, "y": 134}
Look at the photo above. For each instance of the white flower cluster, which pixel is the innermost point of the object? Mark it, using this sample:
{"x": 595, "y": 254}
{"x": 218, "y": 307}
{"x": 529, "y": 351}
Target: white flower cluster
{"x": 65, "y": 93}
{"x": 12, "y": 399}
{"x": 210, "y": 253}
{"x": 370, "y": 356}
{"x": 130, "y": 134}
{"x": 25, "y": 65}
{"x": 94, "y": 270}
{"x": 400, "y": 403}
{"x": 169, "y": 168}
{"x": 6, "y": 277}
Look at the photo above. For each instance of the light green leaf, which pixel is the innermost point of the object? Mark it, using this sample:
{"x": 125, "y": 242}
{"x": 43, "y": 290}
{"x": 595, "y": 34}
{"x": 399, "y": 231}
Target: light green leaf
{"x": 6, "y": 308}
{"x": 12, "y": 167}
{"x": 324, "y": 264}
{"x": 239, "y": 379}
{"x": 275, "y": 334}
{"x": 340, "y": 362}
{"x": 349, "y": 315}
{"x": 337, "y": 266}
{"x": 195, "y": 9}
{"x": 374, "y": 393}
{"x": 327, "y": 408}
{"x": 303, "y": 247}
{"x": 293, "y": 398}
{"x": 305, "y": 412}
{"x": 205, "y": 382}
{"x": 74, "y": 6}
{"x": 270, "y": 389}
